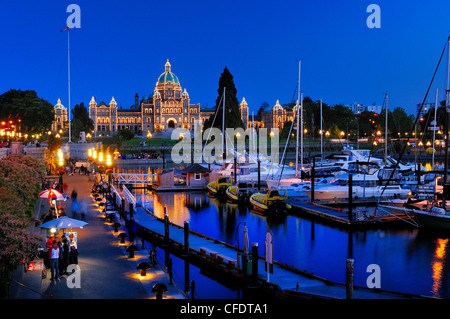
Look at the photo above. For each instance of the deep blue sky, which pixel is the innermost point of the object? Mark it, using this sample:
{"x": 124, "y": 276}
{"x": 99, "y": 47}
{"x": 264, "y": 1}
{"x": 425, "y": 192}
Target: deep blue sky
{"x": 122, "y": 47}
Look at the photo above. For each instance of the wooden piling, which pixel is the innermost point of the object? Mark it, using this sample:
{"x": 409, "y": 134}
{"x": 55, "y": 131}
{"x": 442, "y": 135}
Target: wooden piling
{"x": 350, "y": 197}
{"x": 186, "y": 237}
{"x": 254, "y": 263}
{"x": 166, "y": 225}
{"x": 349, "y": 278}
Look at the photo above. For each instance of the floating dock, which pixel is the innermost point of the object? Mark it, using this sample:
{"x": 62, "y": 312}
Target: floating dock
{"x": 337, "y": 213}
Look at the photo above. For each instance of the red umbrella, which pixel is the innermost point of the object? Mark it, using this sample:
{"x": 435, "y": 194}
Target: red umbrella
{"x": 51, "y": 194}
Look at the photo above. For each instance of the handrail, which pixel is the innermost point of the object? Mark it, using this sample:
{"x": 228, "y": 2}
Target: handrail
{"x": 129, "y": 196}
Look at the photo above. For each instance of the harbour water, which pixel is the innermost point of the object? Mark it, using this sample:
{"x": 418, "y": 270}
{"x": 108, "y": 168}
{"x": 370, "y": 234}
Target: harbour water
{"x": 411, "y": 260}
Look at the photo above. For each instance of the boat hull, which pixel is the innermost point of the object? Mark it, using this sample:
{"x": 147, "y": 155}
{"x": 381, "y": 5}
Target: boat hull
{"x": 232, "y": 193}
{"x": 428, "y": 220}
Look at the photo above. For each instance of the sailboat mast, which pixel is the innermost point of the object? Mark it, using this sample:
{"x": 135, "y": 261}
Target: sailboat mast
{"x": 298, "y": 118}
{"x": 434, "y": 128}
{"x": 223, "y": 127}
{"x": 301, "y": 131}
{"x": 386, "y": 131}
{"x": 447, "y": 108}
{"x": 321, "y": 132}
{"x": 68, "y": 81}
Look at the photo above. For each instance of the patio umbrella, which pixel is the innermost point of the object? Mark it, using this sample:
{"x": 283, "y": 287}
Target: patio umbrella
{"x": 63, "y": 222}
{"x": 245, "y": 238}
{"x": 51, "y": 194}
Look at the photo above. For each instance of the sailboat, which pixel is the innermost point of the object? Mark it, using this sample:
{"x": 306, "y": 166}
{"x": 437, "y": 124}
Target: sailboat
{"x": 435, "y": 214}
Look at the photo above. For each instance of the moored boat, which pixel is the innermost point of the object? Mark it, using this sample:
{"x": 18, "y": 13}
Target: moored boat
{"x": 239, "y": 193}
{"x": 219, "y": 187}
{"x": 274, "y": 202}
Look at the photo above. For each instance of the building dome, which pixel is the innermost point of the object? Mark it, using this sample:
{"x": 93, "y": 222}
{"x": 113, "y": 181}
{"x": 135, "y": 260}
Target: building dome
{"x": 168, "y": 76}
{"x": 59, "y": 105}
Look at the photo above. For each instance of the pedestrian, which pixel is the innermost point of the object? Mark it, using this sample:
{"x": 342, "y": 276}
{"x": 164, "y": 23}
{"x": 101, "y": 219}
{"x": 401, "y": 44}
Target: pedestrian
{"x": 73, "y": 254}
{"x": 75, "y": 208}
{"x": 53, "y": 255}
{"x": 50, "y": 241}
{"x": 74, "y": 194}
{"x": 81, "y": 169}
{"x": 83, "y": 209}
{"x": 61, "y": 266}
{"x": 65, "y": 252}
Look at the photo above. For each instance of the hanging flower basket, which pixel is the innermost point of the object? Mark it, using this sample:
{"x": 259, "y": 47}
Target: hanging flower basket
{"x": 94, "y": 163}
{"x": 101, "y": 169}
{"x": 109, "y": 171}
{"x": 61, "y": 172}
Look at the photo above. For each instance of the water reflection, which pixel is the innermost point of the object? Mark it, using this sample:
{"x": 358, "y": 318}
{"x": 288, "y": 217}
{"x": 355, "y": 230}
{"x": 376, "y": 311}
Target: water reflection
{"x": 438, "y": 266}
{"x": 411, "y": 260}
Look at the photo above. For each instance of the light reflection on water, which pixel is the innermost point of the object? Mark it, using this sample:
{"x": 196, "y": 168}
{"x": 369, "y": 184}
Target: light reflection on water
{"x": 411, "y": 260}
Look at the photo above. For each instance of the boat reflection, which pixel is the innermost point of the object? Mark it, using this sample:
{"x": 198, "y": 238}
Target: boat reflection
{"x": 438, "y": 265}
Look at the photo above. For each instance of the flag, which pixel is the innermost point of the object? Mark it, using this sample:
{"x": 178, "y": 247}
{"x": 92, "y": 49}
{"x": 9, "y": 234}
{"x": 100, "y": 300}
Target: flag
{"x": 66, "y": 28}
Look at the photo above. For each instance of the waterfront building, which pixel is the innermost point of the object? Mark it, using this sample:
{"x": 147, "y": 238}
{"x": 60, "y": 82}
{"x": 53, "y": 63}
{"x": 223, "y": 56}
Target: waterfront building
{"x": 270, "y": 117}
{"x": 61, "y": 117}
{"x": 167, "y": 108}
{"x": 356, "y": 107}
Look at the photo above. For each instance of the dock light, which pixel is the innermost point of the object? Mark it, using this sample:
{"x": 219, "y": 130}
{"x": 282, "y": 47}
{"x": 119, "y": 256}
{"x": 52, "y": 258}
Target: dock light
{"x": 327, "y": 134}
{"x": 90, "y": 152}
{"x": 100, "y": 157}
{"x": 53, "y": 230}
{"x": 94, "y": 154}
{"x": 108, "y": 160}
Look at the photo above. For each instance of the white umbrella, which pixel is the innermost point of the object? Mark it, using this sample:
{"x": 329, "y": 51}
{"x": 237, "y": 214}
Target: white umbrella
{"x": 63, "y": 222}
{"x": 51, "y": 194}
{"x": 245, "y": 239}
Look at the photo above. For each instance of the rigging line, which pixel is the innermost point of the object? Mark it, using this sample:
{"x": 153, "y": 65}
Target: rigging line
{"x": 415, "y": 122}
{"x": 215, "y": 115}
{"x": 412, "y": 222}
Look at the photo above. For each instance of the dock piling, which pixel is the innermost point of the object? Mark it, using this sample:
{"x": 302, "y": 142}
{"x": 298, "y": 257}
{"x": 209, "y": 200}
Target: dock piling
{"x": 349, "y": 278}
{"x": 350, "y": 197}
{"x": 166, "y": 225}
{"x": 186, "y": 237}
{"x": 255, "y": 263}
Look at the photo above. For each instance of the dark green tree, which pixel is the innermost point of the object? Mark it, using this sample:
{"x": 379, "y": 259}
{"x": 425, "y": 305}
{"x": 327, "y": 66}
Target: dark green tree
{"x": 81, "y": 121}
{"x": 126, "y": 134}
{"x": 35, "y": 114}
{"x": 232, "y": 112}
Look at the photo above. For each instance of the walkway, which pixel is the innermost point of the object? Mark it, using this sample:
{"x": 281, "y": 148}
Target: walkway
{"x": 106, "y": 272}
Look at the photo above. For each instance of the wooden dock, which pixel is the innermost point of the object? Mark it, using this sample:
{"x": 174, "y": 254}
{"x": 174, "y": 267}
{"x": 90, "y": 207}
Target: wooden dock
{"x": 333, "y": 213}
{"x": 225, "y": 260}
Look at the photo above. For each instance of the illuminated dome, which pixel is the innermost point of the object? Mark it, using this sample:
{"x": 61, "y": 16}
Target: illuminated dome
{"x": 168, "y": 76}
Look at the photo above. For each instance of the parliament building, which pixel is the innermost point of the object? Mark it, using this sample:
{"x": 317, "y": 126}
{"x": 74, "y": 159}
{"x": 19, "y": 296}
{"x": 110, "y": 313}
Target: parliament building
{"x": 167, "y": 108}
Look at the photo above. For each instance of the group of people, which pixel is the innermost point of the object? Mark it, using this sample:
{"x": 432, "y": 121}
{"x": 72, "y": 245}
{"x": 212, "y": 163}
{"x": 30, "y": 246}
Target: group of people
{"x": 61, "y": 252}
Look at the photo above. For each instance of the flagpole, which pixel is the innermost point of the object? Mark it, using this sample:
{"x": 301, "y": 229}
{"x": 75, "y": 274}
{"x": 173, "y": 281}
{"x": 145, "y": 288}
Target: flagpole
{"x": 68, "y": 81}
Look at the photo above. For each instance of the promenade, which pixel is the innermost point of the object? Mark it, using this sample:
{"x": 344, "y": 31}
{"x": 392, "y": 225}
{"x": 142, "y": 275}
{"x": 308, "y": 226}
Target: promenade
{"x": 106, "y": 272}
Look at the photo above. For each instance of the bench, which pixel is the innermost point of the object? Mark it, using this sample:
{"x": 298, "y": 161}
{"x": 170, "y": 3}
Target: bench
{"x": 213, "y": 255}
{"x": 227, "y": 260}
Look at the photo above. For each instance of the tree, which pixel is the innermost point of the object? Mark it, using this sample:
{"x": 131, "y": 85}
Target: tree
{"x": 232, "y": 112}
{"x": 81, "y": 121}
{"x": 126, "y": 134}
{"x": 35, "y": 114}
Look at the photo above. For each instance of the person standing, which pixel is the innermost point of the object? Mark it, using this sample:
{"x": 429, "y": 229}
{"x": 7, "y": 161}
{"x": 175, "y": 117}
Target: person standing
{"x": 65, "y": 253}
{"x": 53, "y": 255}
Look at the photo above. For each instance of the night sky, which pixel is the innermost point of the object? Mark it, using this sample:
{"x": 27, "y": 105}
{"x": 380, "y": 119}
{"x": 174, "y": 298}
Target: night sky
{"x": 121, "y": 49}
